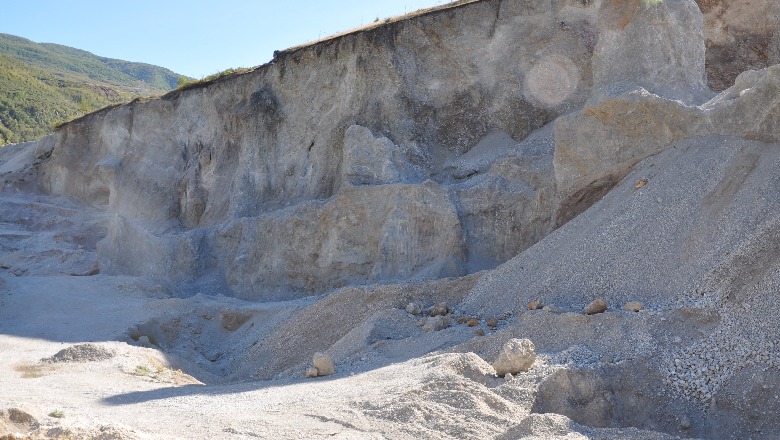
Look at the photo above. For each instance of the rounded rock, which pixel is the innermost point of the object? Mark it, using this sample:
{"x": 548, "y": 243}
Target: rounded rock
{"x": 436, "y": 323}
{"x": 413, "y": 308}
{"x": 324, "y": 364}
{"x": 439, "y": 309}
{"x": 596, "y": 306}
{"x": 516, "y": 356}
{"x": 633, "y": 306}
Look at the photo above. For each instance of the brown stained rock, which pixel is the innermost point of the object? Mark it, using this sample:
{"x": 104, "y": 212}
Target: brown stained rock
{"x": 639, "y": 184}
{"x": 596, "y": 306}
{"x": 463, "y": 320}
{"x": 739, "y": 36}
{"x": 479, "y": 332}
{"x": 440, "y": 309}
{"x": 535, "y": 304}
{"x": 492, "y": 322}
{"x": 473, "y": 322}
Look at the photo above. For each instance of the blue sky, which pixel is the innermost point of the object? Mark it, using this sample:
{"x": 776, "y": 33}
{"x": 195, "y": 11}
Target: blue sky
{"x": 194, "y": 37}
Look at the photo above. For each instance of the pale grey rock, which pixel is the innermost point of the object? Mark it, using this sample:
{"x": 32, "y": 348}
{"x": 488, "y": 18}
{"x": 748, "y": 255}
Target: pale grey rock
{"x": 633, "y": 306}
{"x": 649, "y": 72}
{"x": 323, "y": 363}
{"x": 16, "y": 162}
{"x": 133, "y": 250}
{"x": 413, "y": 308}
{"x": 370, "y": 160}
{"x": 597, "y": 146}
{"x": 658, "y": 46}
{"x": 144, "y": 341}
{"x": 516, "y": 356}
{"x": 275, "y": 136}
{"x": 365, "y": 234}
{"x": 749, "y": 108}
{"x": 507, "y": 206}
{"x": 436, "y": 323}
{"x": 312, "y": 372}
{"x": 578, "y": 394}
{"x": 629, "y": 127}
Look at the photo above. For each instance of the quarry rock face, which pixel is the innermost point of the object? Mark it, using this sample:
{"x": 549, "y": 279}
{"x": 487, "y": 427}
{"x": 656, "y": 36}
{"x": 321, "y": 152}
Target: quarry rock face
{"x": 417, "y": 149}
{"x": 740, "y": 35}
{"x": 284, "y": 171}
{"x": 654, "y": 45}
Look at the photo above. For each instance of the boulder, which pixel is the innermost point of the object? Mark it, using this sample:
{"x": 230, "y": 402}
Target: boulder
{"x": 516, "y": 356}
{"x": 323, "y": 363}
{"x": 633, "y": 306}
{"x": 595, "y": 307}
{"x": 436, "y": 323}
{"x": 413, "y": 308}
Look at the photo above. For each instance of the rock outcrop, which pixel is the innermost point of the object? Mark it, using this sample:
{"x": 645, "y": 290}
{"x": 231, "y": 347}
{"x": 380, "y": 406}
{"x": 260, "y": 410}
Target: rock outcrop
{"x": 740, "y": 35}
{"x": 389, "y": 153}
{"x": 417, "y": 149}
{"x": 516, "y": 356}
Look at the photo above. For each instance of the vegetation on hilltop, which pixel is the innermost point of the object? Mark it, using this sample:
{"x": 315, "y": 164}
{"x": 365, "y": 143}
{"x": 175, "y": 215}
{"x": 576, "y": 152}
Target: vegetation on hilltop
{"x": 42, "y": 85}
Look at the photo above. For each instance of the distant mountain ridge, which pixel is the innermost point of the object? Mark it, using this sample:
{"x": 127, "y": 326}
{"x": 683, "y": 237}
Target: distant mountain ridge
{"x": 42, "y": 84}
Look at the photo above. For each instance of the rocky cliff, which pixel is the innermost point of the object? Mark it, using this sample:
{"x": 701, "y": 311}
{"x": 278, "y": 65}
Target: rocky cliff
{"x": 389, "y": 153}
{"x": 410, "y": 150}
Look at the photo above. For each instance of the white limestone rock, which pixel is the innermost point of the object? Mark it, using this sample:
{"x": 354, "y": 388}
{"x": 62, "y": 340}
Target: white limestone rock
{"x": 516, "y": 356}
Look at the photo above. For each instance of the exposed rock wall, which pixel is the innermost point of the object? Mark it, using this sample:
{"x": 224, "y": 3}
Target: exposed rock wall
{"x": 386, "y": 154}
{"x": 741, "y": 35}
{"x": 437, "y": 84}
{"x": 412, "y": 149}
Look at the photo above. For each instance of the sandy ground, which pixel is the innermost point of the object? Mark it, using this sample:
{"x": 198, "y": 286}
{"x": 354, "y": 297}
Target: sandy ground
{"x": 453, "y": 395}
{"x": 122, "y": 357}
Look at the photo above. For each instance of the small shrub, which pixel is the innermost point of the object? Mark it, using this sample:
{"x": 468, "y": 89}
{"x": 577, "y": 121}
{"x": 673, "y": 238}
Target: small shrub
{"x": 57, "y": 414}
{"x": 142, "y": 370}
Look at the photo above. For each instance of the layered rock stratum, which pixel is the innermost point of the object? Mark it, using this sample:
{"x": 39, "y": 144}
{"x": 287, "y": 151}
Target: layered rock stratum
{"x": 394, "y": 199}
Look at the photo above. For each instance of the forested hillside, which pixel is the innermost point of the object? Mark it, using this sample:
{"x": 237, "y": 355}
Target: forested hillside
{"x": 42, "y": 85}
